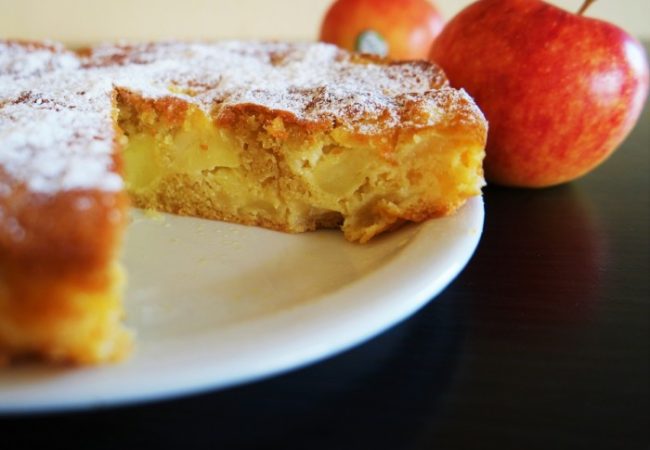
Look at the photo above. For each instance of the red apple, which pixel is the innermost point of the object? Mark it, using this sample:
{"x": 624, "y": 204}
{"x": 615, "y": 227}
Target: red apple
{"x": 399, "y": 29}
{"x": 560, "y": 90}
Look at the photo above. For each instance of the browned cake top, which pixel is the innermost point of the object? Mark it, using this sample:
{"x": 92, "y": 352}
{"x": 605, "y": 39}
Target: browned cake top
{"x": 56, "y": 131}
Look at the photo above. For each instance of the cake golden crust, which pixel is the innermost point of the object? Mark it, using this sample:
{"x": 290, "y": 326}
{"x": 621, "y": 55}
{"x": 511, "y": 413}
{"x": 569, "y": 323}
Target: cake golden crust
{"x": 311, "y": 136}
{"x": 75, "y": 229}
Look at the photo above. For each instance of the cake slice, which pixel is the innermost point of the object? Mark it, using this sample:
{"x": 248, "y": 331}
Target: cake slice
{"x": 62, "y": 210}
{"x": 292, "y": 137}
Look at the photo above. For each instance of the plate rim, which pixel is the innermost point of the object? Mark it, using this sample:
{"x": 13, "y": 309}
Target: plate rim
{"x": 414, "y": 287}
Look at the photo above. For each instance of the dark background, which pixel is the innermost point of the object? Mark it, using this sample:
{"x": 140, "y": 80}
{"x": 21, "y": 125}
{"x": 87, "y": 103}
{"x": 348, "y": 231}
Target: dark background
{"x": 543, "y": 342}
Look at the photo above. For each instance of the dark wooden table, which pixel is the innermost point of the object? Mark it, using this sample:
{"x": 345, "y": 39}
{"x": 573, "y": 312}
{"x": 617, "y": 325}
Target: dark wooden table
{"x": 543, "y": 342}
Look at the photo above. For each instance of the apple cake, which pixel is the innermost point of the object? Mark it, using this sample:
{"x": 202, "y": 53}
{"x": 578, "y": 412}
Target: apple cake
{"x": 291, "y": 137}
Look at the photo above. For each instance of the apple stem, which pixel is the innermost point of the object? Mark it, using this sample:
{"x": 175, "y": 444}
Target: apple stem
{"x": 585, "y": 6}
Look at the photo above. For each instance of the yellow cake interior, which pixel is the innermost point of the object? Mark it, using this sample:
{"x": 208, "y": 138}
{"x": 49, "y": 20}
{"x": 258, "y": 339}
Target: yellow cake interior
{"x": 261, "y": 169}
{"x": 63, "y": 317}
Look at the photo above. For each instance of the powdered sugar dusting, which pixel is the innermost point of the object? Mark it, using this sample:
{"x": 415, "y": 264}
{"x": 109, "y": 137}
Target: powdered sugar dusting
{"x": 54, "y": 141}
{"x": 29, "y": 59}
{"x": 56, "y": 126}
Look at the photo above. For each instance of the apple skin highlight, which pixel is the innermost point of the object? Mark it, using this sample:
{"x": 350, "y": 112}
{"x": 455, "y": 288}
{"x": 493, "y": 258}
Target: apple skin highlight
{"x": 560, "y": 91}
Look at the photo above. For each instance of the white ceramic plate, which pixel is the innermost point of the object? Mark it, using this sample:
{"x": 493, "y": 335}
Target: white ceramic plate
{"x": 217, "y": 304}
